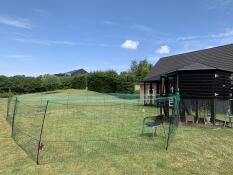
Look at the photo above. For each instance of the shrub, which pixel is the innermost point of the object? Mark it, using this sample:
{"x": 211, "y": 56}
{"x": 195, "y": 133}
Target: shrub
{"x": 6, "y": 94}
{"x": 99, "y": 81}
{"x": 79, "y": 82}
{"x": 66, "y": 82}
{"x": 125, "y": 84}
{"x": 50, "y": 82}
{"x": 104, "y": 82}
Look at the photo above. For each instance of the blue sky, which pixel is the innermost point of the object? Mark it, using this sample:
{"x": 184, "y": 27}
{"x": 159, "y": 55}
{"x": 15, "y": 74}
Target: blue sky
{"x": 51, "y": 36}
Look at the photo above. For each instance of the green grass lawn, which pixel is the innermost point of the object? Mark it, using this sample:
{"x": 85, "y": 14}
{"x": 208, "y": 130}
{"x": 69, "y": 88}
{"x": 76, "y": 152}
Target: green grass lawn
{"x": 92, "y": 140}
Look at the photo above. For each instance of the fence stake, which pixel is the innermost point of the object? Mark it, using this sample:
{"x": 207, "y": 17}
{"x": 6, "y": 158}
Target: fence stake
{"x": 13, "y": 118}
{"x": 41, "y": 131}
{"x": 8, "y": 107}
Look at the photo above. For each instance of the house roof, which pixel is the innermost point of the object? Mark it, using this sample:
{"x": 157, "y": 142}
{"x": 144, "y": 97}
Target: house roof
{"x": 73, "y": 73}
{"x": 196, "y": 66}
{"x": 220, "y": 57}
{"x": 79, "y": 71}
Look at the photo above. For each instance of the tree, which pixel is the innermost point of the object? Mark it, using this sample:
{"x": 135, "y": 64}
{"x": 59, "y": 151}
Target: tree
{"x": 79, "y": 82}
{"x": 125, "y": 83}
{"x": 50, "y": 82}
{"x": 102, "y": 81}
{"x": 5, "y": 84}
{"x": 139, "y": 70}
{"x": 66, "y": 82}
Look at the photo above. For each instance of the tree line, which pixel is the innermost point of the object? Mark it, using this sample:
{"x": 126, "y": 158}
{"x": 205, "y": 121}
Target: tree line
{"x": 99, "y": 81}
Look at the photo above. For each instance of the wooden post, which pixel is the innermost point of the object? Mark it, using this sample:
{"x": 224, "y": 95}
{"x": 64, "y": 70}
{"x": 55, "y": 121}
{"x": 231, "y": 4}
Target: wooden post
{"x": 169, "y": 133}
{"x": 231, "y": 104}
{"x": 13, "y": 118}
{"x": 177, "y": 83}
{"x": 151, "y": 93}
{"x": 157, "y": 88}
{"x": 197, "y": 110}
{"x": 160, "y": 93}
{"x": 41, "y": 132}
{"x": 8, "y": 107}
{"x": 213, "y": 111}
{"x": 144, "y": 91}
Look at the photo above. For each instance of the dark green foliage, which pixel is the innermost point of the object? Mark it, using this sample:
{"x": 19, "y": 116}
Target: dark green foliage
{"x": 125, "y": 83}
{"x": 103, "y": 81}
{"x": 51, "y": 82}
{"x": 110, "y": 82}
{"x": 6, "y": 94}
{"x": 79, "y": 82}
{"x": 66, "y": 82}
{"x": 21, "y": 84}
{"x": 5, "y": 84}
{"x": 99, "y": 81}
{"x": 138, "y": 70}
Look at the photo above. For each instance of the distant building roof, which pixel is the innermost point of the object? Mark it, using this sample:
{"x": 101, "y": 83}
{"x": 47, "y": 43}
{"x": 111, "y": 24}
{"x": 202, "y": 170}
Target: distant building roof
{"x": 73, "y": 73}
{"x": 213, "y": 58}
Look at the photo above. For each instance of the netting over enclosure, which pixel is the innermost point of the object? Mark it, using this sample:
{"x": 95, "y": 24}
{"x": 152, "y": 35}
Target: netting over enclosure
{"x": 200, "y": 110}
{"x": 55, "y": 127}
{"x": 10, "y": 109}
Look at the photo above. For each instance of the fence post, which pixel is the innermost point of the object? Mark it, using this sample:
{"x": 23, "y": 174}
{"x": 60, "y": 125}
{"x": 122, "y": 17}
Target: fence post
{"x": 8, "y": 107}
{"x": 67, "y": 103}
{"x": 41, "y": 132}
{"x": 13, "y": 118}
{"x": 169, "y": 133}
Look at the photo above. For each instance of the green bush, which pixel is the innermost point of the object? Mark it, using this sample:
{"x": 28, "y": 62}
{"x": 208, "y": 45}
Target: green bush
{"x": 66, "y": 82}
{"x": 99, "y": 81}
{"x": 125, "y": 87}
{"x": 51, "y": 82}
{"x": 104, "y": 82}
{"x": 110, "y": 82}
{"x": 79, "y": 82}
{"x": 6, "y": 94}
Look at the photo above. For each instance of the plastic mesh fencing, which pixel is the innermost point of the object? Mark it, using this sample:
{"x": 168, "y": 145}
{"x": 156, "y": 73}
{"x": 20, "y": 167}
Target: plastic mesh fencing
{"x": 10, "y": 109}
{"x": 27, "y": 128}
{"x": 199, "y": 110}
{"x": 173, "y": 117}
{"x": 223, "y": 109}
{"x": 93, "y": 131}
{"x": 92, "y": 125}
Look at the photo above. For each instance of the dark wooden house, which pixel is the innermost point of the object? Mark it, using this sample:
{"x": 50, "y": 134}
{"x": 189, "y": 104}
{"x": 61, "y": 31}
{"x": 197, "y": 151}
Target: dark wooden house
{"x": 202, "y": 77}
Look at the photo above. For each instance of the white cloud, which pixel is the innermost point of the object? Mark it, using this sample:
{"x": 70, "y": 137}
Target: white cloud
{"x": 227, "y": 33}
{"x": 19, "y": 56}
{"x": 110, "y": 23}
{"x": 141, "y": 27}
{"x": 17, "y": 22}
{"x": 183, "y": 44}
{"x": 41, "y": 11}
{"x": 44, "y": 42}
{"x": 130, "y": 44}
{"x": 216, "y": 4}
{"x": 20, "y": 34}
{"x": 163, "y": 50}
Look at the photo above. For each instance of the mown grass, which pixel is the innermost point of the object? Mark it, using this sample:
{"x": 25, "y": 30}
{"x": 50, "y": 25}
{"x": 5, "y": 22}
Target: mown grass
{"x": 195, "y": 150}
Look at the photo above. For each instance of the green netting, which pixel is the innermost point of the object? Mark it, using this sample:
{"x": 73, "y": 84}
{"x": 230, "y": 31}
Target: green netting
{"x": 10, "y": 109}
{"x": 174, "y": 118}
{"x": 27, "y": 127}
{"x": 55, "y": 127}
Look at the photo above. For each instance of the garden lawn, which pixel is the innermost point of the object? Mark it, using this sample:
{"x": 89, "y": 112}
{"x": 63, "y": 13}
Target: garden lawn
{"x": 194, "y": 150}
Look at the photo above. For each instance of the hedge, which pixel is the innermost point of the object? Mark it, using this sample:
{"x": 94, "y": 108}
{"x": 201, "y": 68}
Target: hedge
{"x": 99, "y": 81}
